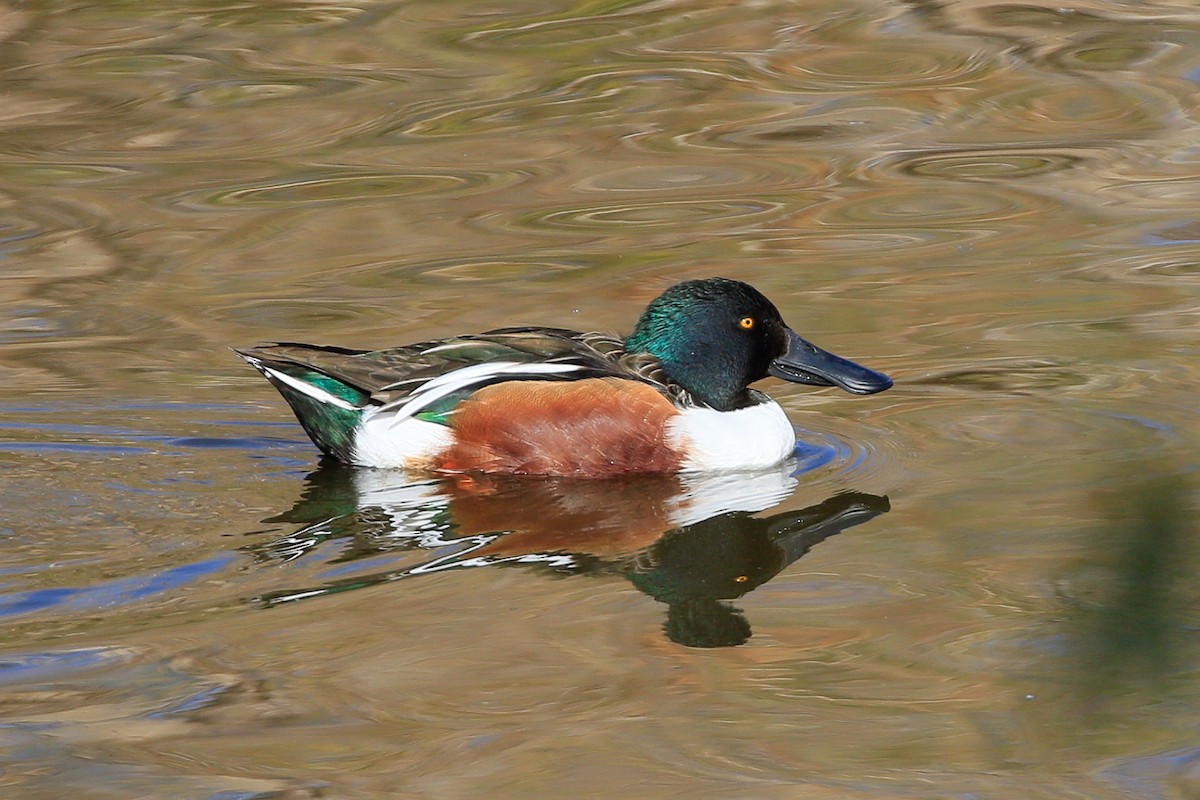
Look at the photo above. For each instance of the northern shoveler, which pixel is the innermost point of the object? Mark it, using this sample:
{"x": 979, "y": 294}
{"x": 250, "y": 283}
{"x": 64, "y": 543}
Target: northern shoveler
{"x": 672, "y": 397}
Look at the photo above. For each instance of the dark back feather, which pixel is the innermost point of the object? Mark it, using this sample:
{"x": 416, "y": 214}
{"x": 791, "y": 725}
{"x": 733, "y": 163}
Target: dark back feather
{"x": 389, "y": 376}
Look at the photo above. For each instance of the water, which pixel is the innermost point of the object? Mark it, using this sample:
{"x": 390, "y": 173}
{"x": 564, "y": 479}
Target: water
{"x": 977, "y": 584}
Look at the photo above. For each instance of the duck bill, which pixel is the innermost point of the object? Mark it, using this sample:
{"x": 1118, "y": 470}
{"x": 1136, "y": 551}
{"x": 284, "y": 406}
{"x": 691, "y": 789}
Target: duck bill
{"x": 806, "y": 363}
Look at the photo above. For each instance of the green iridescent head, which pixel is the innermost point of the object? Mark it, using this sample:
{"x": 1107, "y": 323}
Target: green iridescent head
{"x": 717, "y": 336}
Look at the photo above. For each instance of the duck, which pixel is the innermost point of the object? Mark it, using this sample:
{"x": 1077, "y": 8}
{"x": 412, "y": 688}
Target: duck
{"x": 672, "y": 397}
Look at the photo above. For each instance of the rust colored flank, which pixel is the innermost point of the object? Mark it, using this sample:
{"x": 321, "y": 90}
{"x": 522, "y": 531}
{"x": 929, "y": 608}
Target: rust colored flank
{"x": 587, "y": 428}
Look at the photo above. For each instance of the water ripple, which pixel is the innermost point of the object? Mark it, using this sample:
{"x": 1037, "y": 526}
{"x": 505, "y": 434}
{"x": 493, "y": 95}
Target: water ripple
{"x": 1111, "y": 52}
{"x": 905, "y": 206}
{"x": 594, "y": 95}
{"x": 665, "y": 177}
{"x": 983, "y": 164}
{"x": 551, "y": 33}
{"x": 499, "y": 270}
{"x": 16, "y": 231}
{"x": 1183, "y": 192}
{"x": 28, "y": 667}
{"x": 828, "y": 455}
{"x": 1062, "y": 110}
{"x": 288, "y": 16}
{"x": 340, "y": 188}
{"x": 1158, "y": 267}
{"x": 1046, "y": 434}
{"x": 233, "y": 92}
{"x": 286, "y": 315}
{"x": 643, "y": 215}
{"x": 1009, "y": 376}
{"x": 850, "y": 123}
{"x": 66, "y": 174}
{"x": 116, "y": 592}
{"x": 900, "y": 64}
{"x": 135, "y": 63}
{"x": 886, "y": 242}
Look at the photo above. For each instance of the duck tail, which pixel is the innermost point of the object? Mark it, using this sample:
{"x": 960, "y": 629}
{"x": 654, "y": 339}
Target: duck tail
{"x": 329, "y": 410}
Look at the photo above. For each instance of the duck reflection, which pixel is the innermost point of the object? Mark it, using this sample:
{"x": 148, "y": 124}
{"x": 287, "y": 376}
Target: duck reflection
{"x": 690, "y": 542}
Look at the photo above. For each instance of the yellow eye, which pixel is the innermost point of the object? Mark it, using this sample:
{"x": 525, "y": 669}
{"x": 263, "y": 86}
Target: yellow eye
{"x": 746, "y": 322}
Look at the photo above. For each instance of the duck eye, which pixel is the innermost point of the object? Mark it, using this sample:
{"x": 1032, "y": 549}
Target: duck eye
{"x": 746, "y": 322}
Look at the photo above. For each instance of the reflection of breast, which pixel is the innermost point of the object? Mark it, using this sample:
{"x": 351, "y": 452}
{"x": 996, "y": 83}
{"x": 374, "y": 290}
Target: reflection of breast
{"x": 605, "y": 519}
{"x": 600, "y": 518}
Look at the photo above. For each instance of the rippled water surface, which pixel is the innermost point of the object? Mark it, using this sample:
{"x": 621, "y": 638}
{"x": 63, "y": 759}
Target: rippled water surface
{"x": 978, "y": 584}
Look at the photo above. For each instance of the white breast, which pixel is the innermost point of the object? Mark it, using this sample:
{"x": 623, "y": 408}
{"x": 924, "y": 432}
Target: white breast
{"x": 748, "y": 438}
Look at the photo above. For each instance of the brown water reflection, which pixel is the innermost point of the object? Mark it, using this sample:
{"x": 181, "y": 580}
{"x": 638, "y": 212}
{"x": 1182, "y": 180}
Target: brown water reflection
{"x": 686, "y": 541}
{"x": 993, "y": 202}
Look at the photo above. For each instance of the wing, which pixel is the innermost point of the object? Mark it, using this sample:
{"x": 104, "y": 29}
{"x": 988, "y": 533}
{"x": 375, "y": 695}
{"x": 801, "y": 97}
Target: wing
{"x": 433, "y": 376}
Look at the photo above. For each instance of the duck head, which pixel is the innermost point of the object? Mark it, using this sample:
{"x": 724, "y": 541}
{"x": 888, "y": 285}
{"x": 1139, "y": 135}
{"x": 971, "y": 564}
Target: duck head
{"x": 717, "y": 336}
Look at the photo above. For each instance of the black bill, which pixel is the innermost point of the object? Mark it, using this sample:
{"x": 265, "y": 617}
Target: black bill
{"x": 806, "y": 363}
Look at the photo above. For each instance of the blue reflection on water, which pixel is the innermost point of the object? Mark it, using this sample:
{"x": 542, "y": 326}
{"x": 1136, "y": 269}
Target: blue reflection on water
{"x": 112, "y": 593}
{"x": 811, "y": 456}
{"x": 24, "y": 667}
{"x": 816, "y": 450}
{"x": 114, "y": 440}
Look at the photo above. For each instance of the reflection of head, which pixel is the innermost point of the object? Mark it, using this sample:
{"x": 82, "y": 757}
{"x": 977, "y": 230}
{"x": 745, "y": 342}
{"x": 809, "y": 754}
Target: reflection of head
{"x": 723, "y": 557}
{"x": 697, "y": 566}
{"x": 705, "y": 622}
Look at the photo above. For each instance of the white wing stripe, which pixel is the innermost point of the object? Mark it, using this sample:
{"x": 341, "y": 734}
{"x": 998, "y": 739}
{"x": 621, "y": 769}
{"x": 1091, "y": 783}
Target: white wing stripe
{"x": 442, "y": 348}
{"x": 315, "y": 392}
{"x": 451, "y": 382}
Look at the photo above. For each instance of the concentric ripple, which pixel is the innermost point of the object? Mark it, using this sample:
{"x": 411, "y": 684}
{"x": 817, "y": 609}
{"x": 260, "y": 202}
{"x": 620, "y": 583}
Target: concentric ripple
{"x": 659, "y": 178}
{"x": 891, "y": 241}
{"x": 847, "y": 68}
{"x": 499, "y": 271}
{"x": 827, "y": 455}
{"x": 916, "y": 205}
{"x": 1010, "y": 376}
{"x": 323, "y": 189}
{"x": 645, "y": 215}
{"x": 983, "y": 164}
{"x": 1063, "y": 110}
{"x": 1111, "y": 52}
